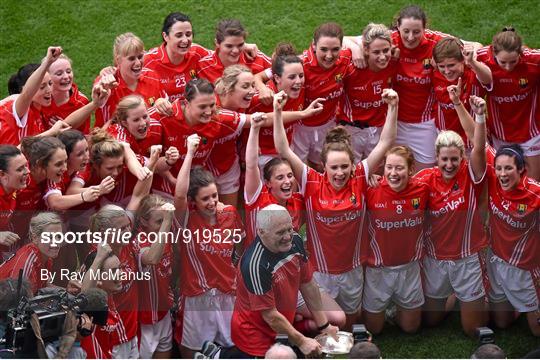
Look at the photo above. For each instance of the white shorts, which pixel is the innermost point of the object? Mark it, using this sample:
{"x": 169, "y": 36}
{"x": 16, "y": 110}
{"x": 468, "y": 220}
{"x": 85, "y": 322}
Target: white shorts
{"x": 510, "y": 283}
{"x": 207, "y": 317}
{"x": 345, "y": 288}
{"x": 229, "y": 182}
{"x": 530, "y": 147}
{"x": 127, "y": 350}
{"x": 464, "y": 277}
{"x": 420, "y": 138}
{"x": 157, "y": 337}
{"x": 400, "y": 284}
{"x": 363, "y": 140}
{"x": 308, "y": 141}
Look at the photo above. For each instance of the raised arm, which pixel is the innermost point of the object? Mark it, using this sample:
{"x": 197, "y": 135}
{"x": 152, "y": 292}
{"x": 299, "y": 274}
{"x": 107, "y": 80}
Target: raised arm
{"x": 253, "y": 175}
{"x": 280, "y": 137}
{"x": 153, "y": 254}
{"x": 100, "y": 96}
{"x": 482, "y": 71}
{"x": 354, "y": 43}
{"x": 133, "y": 164}
{"x": 142, "y": 188}
{"x": 478, "y": 153}
{"x": 467, "y": 122}
{"x": 182, "y": 181}
{"x": 23, "y": 102}
{"x": 389, "y": 131}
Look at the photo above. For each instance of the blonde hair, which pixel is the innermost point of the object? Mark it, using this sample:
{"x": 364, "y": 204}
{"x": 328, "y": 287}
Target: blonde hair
{"x": 40, "y": 221}
{"x": 104, "y": 218}
{"x": 125, "y": 44}
{"x": 226, "y": 83}
{"x": 449, "y": 138}
{"x": 103, "y": 146}
{"x": 127, "y": 103}
{"x": 149, "y": 202}
{"x": 373, "y": 32}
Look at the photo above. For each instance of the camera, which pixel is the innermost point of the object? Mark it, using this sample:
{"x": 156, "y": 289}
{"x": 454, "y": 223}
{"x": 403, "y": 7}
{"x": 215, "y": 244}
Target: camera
{"x": 485, "y": 335}
{"x": 360, "y": 333}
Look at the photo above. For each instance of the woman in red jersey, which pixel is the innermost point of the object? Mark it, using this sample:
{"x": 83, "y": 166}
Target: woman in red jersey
{"x": 514, "y": 267}
{"x": 153, "y": 221}
{"x": 362, "y": 111}
{"x": 396, "y": 210}
{"x": 38, "y": 255}
{"x": 66, "y": 97}
{"x": 455, "y": 261}
{"x": 230, "y": 50}
{"x": 21, "y": 115}
{"x": 456, "y": 64}
{"x": 13, "y": 177}
{"x": 129, "y": 77}
{"x": 207, "y": 274}
{"x": 516, "y": 75}
{"x": 334, "y": 205}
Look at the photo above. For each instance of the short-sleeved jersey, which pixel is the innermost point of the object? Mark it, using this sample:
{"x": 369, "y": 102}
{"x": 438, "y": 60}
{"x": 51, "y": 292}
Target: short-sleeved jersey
{"x": 266, "y": 134}
{"x": 266, "y": 280}
{"x": 362, "y": 101}
{"x": 139, "y": 147}
{"x": 413, "y": 79}
{"x": 261, "y": 199}
{"x": 13, "y": 128}
{"x": 454, "y": 228}
{"x": 76, "y": 101}
{"x": 148, "y": 86}
{"x": 331, "y": 212}
{"x": 396, "y": 223}
{"x": 514, "y": 97}
{"x": 28, "y": 259}
{"x": 515, "y": 221}
{"x": 206, "y": 256}
{"x": 224, "y": 153}
{"x": 174, "y": 78}
{"x": 324, "y": 83}
{"x": 211, "y": 68}
{"x": 447, "y": 117}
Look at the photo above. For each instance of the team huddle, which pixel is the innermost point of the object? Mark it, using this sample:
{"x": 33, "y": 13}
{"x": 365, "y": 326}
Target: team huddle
{"x": 408, "y": 159}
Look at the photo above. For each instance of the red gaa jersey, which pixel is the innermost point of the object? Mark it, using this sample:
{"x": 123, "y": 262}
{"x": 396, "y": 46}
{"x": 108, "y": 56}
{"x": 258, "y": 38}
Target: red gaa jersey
{"x": 29, "y": 201}
{"x": 206, "y": 255}
{"x": 211, "y": 68}
{"x": 396, "y": 223}
{"x": 447, "y": 117}
{"x": 76, "y": 101}
{"x": 413, "y": 79}
{"x": 139, "y": 147}
{"x": 329, "y": 213}
{"x": 515, "y": 221}
{"x": 266, "y": 280}
{"x": 29, "y": 260}
{"x": 514, "y": 97}
{"x": 454, "y": 228}
{"x": 148, "y": 86}
{"x": 261, "y": 199}
{"x": 13, "y": 128}
{"x": 174, "y": 78}
{"x": 363, "y": 89}
{"x": 325, "y": 83}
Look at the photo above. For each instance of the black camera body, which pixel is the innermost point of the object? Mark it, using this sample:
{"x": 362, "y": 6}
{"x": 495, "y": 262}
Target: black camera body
{"x": 485, "y": 335}
{"x": 360, "y": 333}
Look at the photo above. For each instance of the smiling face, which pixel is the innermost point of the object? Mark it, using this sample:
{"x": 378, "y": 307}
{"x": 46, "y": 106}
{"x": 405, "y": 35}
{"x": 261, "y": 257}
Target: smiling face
{"x": 411, "y": 31}
{"x": 338, "y": 168}
{"x": 61, "y": 75}
{"x": 278, "y": 237}
{"x": 179, "y": 39}
{"x": 46, "y": 248}
{"x": 448, "y": 160}
{"x": 327, "y": 51}
{"x": 16, "y": 175}
{"x": 57, "y": 165}
{"x": 507, "y": 60}
{"x": 130, "y": 66}
{"x": 292, "y": 79}
{"x": 507, "y": 172}
{"x": 137, "y": 122}
{"x": 206, "y": 200}
{"x": 79, "y": 156}
{"x": 281, "y": 182}
{"x": 201, "y": 109}
{"x": 230, "y": 50}
{"x": 43, "y": 97}
{"x": 396, "y": 172}
{"x": 451, "y": 68}
{"x": 378, "y": 54}
{"x": 114, "y": 285}
{"x": 242, "y": 93}
{"x": 110, "y": 166}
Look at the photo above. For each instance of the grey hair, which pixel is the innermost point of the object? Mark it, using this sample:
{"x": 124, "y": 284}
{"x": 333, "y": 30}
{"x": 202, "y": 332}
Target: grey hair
{"x": 280, "y": 351}
{"x": 267, "y": 214}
